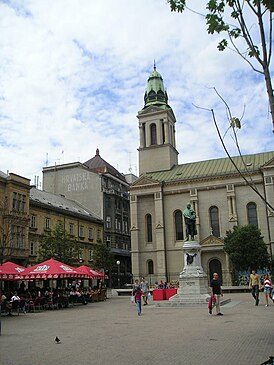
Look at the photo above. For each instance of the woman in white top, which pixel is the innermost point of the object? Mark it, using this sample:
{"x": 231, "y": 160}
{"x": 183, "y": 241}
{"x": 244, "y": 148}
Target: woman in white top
{"x": 267, "y": 288}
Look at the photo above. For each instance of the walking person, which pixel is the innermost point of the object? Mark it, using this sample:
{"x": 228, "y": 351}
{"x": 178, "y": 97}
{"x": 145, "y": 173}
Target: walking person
{"x": 267, "y": 288}
{"x": 135, "y": 286}
{"x": 254, "y": 286}
{"x": 145, "y": 289}
{"x": 138, "y": 300}
{"x": 216, "y": 291}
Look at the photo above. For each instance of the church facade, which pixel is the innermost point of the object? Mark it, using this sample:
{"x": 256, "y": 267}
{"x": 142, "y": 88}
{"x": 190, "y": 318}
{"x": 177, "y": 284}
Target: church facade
{"x": 216, "y": 191}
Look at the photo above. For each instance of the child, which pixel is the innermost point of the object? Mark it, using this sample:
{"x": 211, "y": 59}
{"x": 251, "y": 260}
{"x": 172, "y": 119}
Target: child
{"x": 138, "y": 299}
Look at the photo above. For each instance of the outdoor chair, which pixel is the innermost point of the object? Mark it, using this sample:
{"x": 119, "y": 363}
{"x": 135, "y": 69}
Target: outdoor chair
{"x": 22, "y": 305}
{"x": 15, "y": 306}
{"x": 102, "y": 295}
{"x": 44, "y": 303}
{"x": 37, "y": 303}
{"x": 30, "y": 305}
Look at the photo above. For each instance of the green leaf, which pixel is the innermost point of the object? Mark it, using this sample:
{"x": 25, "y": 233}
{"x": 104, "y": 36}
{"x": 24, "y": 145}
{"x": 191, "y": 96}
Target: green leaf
{"x": 222, "y": 45}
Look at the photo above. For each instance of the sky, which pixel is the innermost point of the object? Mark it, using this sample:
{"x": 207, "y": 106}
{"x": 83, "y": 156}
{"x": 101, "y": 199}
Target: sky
{"x": 73, "y": 76}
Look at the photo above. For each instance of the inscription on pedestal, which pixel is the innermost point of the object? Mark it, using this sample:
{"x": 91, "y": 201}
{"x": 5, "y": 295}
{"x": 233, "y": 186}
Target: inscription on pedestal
{"x": 190, "y": 283}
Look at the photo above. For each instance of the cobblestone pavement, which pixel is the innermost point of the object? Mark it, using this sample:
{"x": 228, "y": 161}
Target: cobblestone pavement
{"x": 112, "y": 333}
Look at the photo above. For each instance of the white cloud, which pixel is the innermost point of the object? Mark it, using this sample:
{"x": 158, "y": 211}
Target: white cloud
{"x": 73, "y": 76}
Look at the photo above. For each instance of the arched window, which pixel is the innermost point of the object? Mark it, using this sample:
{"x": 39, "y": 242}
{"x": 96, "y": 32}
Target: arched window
{"x": 214, "y": 221}
{"x": 178, "y": 225}
{"x": 150, "y": 267}
{"x": 252, "y": 214}
{"x": 153, "y": 136}
{"x": 148, "y": 228}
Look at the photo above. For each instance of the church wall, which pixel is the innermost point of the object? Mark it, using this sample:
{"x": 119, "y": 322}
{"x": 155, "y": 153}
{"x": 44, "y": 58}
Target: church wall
{"x": 145, "y": 205}
{"x": 244, "y": 196}
{"x": 206, "y": 199}
{"x": 156, "y": 158}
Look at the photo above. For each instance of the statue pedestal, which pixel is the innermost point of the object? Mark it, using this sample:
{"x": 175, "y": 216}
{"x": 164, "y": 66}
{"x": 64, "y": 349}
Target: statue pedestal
{"x": 193, "y": 284}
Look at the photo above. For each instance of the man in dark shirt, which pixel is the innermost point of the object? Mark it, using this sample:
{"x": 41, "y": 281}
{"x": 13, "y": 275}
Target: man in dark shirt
{"x": 216, "y": 290}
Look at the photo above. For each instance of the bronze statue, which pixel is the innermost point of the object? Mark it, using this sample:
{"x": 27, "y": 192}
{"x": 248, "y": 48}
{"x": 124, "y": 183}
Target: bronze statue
{"x": 190, "y": 222}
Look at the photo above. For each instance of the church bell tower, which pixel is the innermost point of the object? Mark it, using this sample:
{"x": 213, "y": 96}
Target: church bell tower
{"x": 157, "y": 150}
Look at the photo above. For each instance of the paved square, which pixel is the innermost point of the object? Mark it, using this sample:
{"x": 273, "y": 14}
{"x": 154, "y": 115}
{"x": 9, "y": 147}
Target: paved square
{"x": 112, "y": 333}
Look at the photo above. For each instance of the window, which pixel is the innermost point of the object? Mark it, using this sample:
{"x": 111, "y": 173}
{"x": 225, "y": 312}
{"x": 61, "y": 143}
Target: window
{"x": 108, "y": 202}
{"x": 81, "y": 252}
{"x": 71, "y": 229}
{"x": 98, "y": 234}
{"x": 148, "y": 228}
{"x": 90, "y": 255}
{"x": 19, "y": 202}
{"x": 81, "y": 231}
{"x": 153, "y": 136}
{"x": 125, "y": 226}
{"x": 214, "y": 221}
{"x": 116, "y": 223}
{"x": 14, "y": 199}
{"x": 17, "y": 234}
{"x": 178, "y": 225}
{"x": 23, "y": 203}
{"x": 150, "y": 267}
{"x": 108, "y": 222}
{"x": 252, "y": 214}
{"x": 33, "y": 223}
{"x": 108, "y": 238}
{"x": 47, "y": 223}
{"x": 163, "y": 132}
{"x": 90, "y": 233}
{"x": 32, "y": 249}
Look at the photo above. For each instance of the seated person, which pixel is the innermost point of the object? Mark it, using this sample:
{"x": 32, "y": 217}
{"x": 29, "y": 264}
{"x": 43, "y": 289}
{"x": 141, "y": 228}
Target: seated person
{"x": 15, "y": 297}
{"x": 6, "y": 305}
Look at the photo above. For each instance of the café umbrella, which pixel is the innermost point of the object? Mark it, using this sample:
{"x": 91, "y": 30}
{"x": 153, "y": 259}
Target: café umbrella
{"x": 11, "y": 271}
{"x": 93, "y": 274}
{"x": 51, "y": 269}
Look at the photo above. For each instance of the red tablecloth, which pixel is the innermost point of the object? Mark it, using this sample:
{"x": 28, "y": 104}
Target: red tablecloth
{"x": 170, "y": 292}
{"x": 159, "y": 294}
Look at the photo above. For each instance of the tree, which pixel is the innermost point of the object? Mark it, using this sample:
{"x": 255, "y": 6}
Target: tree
{"x": 246, "y": 248}
{"x": 102, "y": 257}
{"x": 250, "y": 21}
{"x": 59, "y": 245}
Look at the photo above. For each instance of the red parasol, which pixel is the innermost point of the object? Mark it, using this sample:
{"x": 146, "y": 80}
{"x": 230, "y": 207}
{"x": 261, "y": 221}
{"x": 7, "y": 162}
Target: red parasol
{"x": 11, "y": 271}
{"x": 51, "y": 269}
{"x": 93, "y": 274}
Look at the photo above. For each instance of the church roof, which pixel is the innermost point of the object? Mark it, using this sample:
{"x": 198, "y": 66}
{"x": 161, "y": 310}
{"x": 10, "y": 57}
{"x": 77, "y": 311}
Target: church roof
{"x": 99, "y": 165}
{"x": 155, "y": 92}
{"x": 211, "y": 168}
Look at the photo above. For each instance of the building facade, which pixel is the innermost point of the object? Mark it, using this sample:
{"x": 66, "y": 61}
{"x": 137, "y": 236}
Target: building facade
{"x": 215, "y": 189}
{"x": 98, "y": 185}
{"x": 47, "y": 210}
{"x": 27, "y": 213}
{"x": 14, "y": 218}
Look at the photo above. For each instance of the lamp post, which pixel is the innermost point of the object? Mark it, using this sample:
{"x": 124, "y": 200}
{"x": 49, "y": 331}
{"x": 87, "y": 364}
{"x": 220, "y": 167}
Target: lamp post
{"x": 118, "y": 267}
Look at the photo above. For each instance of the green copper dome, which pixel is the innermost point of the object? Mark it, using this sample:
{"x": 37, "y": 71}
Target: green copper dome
{"x": 155, "y": 92}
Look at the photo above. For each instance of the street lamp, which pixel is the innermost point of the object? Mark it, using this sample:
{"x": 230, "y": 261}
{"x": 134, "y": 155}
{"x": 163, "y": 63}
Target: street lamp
{"x": 118, "y": 266}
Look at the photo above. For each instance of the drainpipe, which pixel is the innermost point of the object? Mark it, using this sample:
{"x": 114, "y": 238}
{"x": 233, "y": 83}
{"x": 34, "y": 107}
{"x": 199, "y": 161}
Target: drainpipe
{"x": 267, "y": 221}
{"x": 164, "y": 228}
